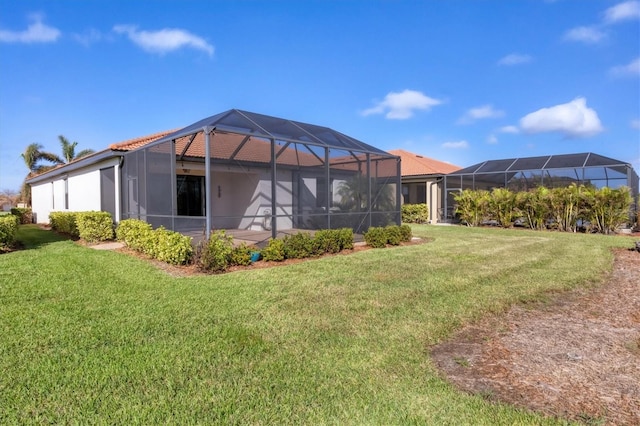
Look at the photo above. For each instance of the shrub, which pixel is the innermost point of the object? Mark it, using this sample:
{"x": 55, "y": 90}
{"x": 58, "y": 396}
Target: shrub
{"x": 405, "y": 233}
{"x": 8, "y": 230}
{"x": 415, "y": 213}
{"x": 215, "y": 254}
{"x": 241, "y": 255}
{"x": 170, "y": 247}
{"x": 376, "y": 237}
{"x": 502, "y": 206}
{"x": 610, "y": 208}
{"x": 94, "y": 226}
{"x": 64, "y": 222}
{"x": 327, "y": 241}
{"x": 393, "y": 234}
{"x": 345, "y": 236}
{"x": 274, "y": 251}
{"x": 298, "y": 246}
{"x": 133, "y": 233}
{"x": 472, "y": 206}
{"x": 24, "y": 214}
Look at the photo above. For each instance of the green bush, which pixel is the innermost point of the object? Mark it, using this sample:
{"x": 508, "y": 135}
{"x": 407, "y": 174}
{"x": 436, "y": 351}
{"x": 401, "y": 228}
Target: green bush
{"x": 376, "y": 237}
{"x": 405, "y": 233}
{"x": 162, "y": 244}
{"x": 298, "y": 246}
{"x": 274, "y": 251}
{"x": 394, "y": 235}
{"x": 24, "y": 214}
{"x": 64, "y": 222}
{"x": 345, "y": 236}
{"x": 8, "y": 230}
{"x": 94, "y": 226}
{"x": 241, "y": 255}
{"x": 215, "y": 254}
{"x": 472, "y": 206}
{"x": 327, "y": 241}
{"x": 133, "y": 233}
{"x": 170, "y": 247}
{"x": 415, "y": 213}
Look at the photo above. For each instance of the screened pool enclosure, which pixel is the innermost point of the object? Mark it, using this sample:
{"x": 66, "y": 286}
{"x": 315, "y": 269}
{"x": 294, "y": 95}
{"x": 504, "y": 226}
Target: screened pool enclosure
{"x": 246, "y": 171}
{"x": 522, "y": 174}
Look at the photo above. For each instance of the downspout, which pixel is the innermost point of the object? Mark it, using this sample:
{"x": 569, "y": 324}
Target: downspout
{"x": 399, "y": 192}
{"x": 118, "y": 190}
{"x": 369, "y": 204}
{"x": 207, "y": 179}
{"x": 274, "y": 219}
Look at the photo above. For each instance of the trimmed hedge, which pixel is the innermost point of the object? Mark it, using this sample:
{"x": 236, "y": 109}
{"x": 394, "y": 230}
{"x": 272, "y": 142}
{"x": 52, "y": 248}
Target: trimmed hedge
{"x": 132, "y": 232}
{"x": 274, "y": 251}
{"x": 8, "y": 230}
{"x": 94, "y": 226}
{"x": 162, "y": 244}
{"x": 376, "y": 237}
{"x": 64, "y": 222}
{"x": 299, "y": 246}
{"x": 415, "y": 213}
{"x": 169, "y": 246}
{"x": 379, "y": 237}
{"x": 24, "y": 214}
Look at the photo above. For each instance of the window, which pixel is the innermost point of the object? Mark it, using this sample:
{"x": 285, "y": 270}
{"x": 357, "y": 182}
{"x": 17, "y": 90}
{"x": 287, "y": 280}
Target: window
{"x": 190, "y": 190}
{"x": 66, "y": 194}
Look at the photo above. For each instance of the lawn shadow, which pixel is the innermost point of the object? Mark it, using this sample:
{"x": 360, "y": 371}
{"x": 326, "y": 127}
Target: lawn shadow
{"x": 33, "y": 236}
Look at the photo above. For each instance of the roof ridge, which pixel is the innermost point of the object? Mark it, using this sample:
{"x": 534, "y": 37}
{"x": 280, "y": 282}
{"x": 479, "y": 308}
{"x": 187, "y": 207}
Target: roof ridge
{"x": 141, "y": 139}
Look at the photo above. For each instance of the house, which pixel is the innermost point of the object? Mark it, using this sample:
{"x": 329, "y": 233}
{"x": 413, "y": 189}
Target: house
{"x": 422, "y": 181}
{"x": 233, "y": 170}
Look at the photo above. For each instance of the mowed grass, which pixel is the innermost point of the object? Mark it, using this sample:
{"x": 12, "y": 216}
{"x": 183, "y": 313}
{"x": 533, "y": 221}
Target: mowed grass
{"x": 91, "y": 336}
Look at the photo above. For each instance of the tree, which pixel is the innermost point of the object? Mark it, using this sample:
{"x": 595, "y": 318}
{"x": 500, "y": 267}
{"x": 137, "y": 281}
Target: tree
{"x": 33, "y": 157}
{"x": 69, "y": 150}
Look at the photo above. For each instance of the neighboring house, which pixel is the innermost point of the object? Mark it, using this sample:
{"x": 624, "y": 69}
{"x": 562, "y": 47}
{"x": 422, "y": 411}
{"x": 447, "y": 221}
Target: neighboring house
{"x": 522, "y": 174}
{"x": 422, "y": 181}
{"x": 234, "y": 170}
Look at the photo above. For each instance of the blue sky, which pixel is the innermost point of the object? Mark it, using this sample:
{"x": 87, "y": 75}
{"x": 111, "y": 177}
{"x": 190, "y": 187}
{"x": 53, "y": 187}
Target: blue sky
{"x": 459, "y": 81}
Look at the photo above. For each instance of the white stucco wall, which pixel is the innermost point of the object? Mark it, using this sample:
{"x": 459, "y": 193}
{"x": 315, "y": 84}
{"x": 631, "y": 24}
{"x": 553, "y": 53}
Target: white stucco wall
{"x": 83, "y": 188}
{"x": 84, "y": 191}
{"x": 249, "y": 194}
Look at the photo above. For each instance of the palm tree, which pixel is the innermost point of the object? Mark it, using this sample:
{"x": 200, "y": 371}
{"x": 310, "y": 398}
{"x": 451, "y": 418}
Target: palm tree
{"x": 34, "y": 157}
{"x": 69, "y": 150}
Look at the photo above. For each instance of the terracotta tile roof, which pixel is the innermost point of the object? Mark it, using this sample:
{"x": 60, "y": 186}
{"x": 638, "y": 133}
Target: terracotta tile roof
{"x": 230, "y": 146}
{"x": 416, "y": 165}
{"x": 131, "y": 144}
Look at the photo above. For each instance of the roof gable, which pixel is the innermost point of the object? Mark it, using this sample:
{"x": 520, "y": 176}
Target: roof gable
{"x": 416, "y": 164}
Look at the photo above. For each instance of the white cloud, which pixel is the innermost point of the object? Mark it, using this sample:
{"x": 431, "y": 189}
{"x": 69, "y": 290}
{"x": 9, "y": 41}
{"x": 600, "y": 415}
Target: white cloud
{"x": 632, "y": 68}
{"x": 36, "y": 32}
{"x": 492, "y": 139}
{"x": 509, "y": 129}
{"x": 590, "y": 35}
{"x": 573, "y": 119}
{"x": 88, "y": 38}
{"x": 622, "y": 12}
{"x": 165, "y": 40}
{"x": 515, "y": 59}
{"x": 635, "y": 124}
{"x": 400, "y": 106}
{"x": 479, "y": 113}
{"x": 456, "y": 145}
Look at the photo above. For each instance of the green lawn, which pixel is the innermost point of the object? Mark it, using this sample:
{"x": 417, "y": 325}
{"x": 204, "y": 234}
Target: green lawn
{"x": 91, "y": 336}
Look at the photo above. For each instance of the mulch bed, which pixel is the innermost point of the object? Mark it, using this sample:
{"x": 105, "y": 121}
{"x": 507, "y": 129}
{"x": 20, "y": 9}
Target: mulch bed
{"x": 577, "y": 357}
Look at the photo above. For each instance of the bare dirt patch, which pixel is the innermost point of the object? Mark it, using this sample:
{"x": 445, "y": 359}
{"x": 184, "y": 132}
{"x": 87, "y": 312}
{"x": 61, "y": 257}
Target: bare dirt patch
{"x": 577, "y": 357}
